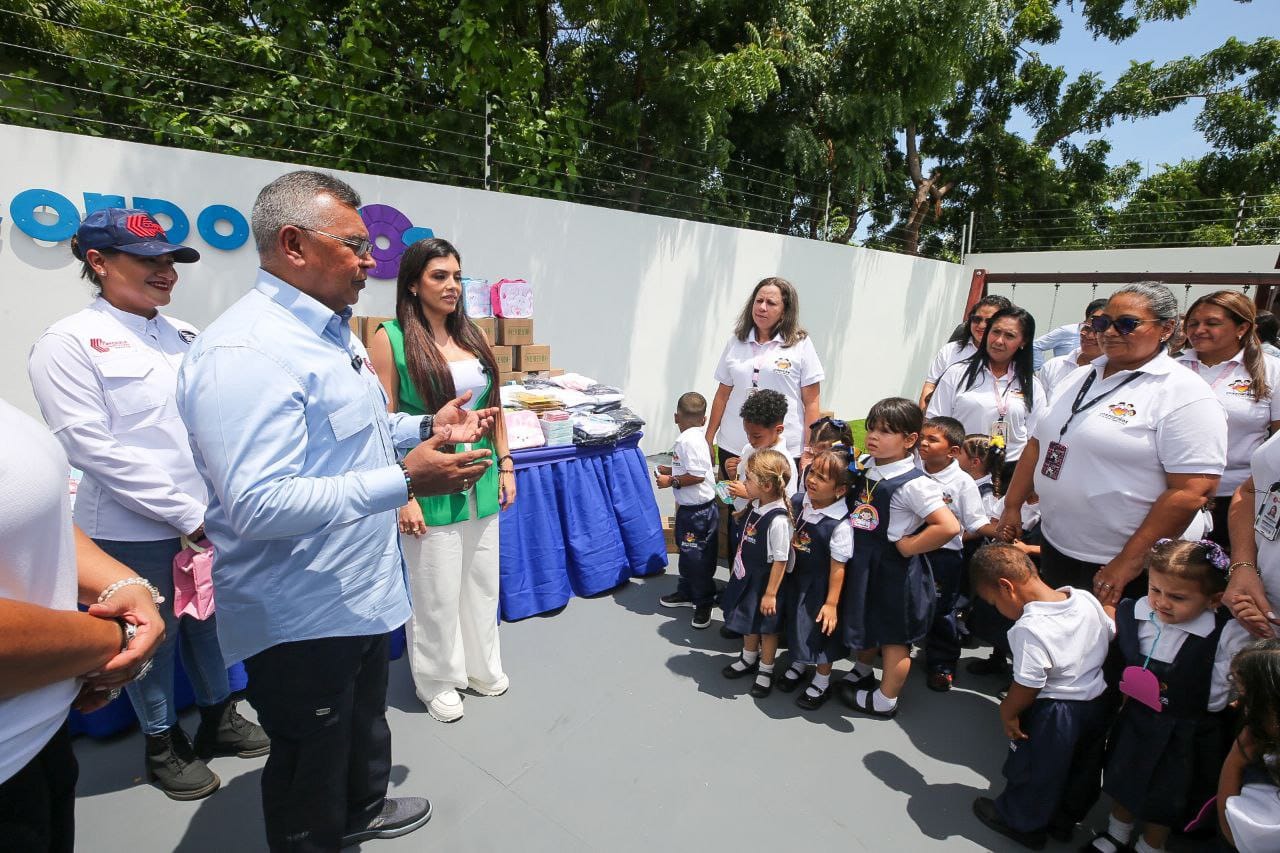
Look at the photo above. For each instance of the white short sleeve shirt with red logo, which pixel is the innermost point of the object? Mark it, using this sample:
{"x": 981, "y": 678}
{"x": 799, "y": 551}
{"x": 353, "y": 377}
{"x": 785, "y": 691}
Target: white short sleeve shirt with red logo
{"x": 692, "y": 456}
{"x": 1120, "y": 449}
{"x": 1247, "y": 419}
{"x": 747, "y": 365}
{"x": 105, "y": 381}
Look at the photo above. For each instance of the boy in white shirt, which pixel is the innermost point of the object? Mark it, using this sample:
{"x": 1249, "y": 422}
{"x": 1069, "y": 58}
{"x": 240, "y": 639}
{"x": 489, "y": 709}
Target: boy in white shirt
{"x": 690, "y": 474}
{"x": 1055, "y": 708}
{"x": 763, "y": 419}
{"x": 939, "y": 450}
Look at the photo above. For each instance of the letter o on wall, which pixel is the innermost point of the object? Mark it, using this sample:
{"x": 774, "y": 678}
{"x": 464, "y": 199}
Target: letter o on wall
{"x": 23, "y": 210}
{"x": 215, "y": 213}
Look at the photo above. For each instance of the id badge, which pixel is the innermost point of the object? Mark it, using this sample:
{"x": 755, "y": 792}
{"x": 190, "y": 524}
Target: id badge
{"x": 1268, "y": 521}
{"x": 865, "y": 517}
{"x": 1054, "y": 457}
{"x": 1000, "y": 429}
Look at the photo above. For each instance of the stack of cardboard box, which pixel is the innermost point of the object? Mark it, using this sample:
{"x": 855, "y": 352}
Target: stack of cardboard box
{"x": 517, "y": 355}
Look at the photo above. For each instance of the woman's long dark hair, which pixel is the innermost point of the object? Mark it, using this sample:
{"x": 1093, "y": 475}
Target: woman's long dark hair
{"x": 962, "y": 333}
{"x": 428, "y": 370}
{"x": 1024, "y": 366}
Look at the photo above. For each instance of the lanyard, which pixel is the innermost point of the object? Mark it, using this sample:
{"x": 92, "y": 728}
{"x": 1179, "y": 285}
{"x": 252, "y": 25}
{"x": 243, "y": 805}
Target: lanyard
{"x": 757, "y": 359}
{"x": 1002, "y": 407}
{"x": 1077, "y": 408}
{"x": 1227, "y": 370}
{"x": 1159, "y": 630}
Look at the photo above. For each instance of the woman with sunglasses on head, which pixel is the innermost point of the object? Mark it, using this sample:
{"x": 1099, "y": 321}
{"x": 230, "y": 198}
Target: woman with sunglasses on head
{"x": 768, "y": 349}
{"x": 427, "y": 356}
{"x": 1226, "y": 353}
{"x": 1126, "y": 454}
{"x": 1053, "y": 371}
{"x": 964, "y": 342}
{"x": 106, "y": 382}
{"x": 994, "y": 391}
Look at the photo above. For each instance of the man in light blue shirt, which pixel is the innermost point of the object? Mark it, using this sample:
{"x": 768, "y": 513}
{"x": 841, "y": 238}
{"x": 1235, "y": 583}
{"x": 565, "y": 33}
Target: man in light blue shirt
{"x": 1059, "y": 341}
{"x": 290, "y": 429}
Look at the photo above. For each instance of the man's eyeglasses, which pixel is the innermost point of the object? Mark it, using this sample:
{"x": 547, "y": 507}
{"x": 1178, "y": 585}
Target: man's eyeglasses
{"x": 361, "y": 247}
{"x": 1124, "y": 325}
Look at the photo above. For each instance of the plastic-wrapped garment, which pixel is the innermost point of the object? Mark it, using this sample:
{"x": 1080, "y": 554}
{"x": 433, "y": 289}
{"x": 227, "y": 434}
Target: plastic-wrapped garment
{"x": 475, "y": 298}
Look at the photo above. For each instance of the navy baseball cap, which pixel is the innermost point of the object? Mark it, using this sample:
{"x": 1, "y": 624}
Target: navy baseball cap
{"x": 126, "y": 230}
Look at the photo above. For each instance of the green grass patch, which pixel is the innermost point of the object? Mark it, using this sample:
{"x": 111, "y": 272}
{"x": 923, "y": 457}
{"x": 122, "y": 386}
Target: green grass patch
{"x": 859, "y": 429}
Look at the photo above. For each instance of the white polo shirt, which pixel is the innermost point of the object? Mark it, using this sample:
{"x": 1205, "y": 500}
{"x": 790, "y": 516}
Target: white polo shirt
{"x": 105, "y": 381}
{"x": 1059, "y": 646}
{"x": 1053, "y": 371}
{"x": 1247, "y": 419}
{"x": 1166, "y": 421}
{"x": 961, "y": 496}
{"x": 1265, "y": 467}
{"x": 841, "y": 543}
{"x": 793, "y": 484}
{"x": 912, "y": 503}
{"x": 951, "y": 353}
{"x": 692, "y": 456}
{"x": 37, "y": 566}
{"x": 782, "y": 369}
{"x": 978, "y": 407}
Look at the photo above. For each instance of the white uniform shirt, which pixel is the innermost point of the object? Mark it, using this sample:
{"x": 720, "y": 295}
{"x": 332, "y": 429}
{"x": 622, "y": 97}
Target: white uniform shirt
{"x": 978, "y": 407}
{"x": 951, "y": 353}
{"x": 1247, "y": 419}
{"x": 1056, "y": 369}
{"x": 1254, "y": 814}
{"x": 989, "y": 500}
{"x": 778, "y": 538}
{"x": 841, "y": 544}
{"x": 1059, "y": 646}
{"x": 692, "y": 456}
{"x": 37, "y": 566}
{"x": 1171, "y": 638}
{"x": 793, "y": 484}
{"x": 105, "y": 381}
{"x": 782, "y": 369}
{"x": 960, "y": 494}
{"x": 1030, "y": 513}
{"x": 912, "y": 503}
{"x": 1119, "y": 451}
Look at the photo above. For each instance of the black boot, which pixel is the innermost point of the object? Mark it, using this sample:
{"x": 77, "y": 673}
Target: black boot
{"x": 173, "y": 766}
{"x": 224, "y": 732}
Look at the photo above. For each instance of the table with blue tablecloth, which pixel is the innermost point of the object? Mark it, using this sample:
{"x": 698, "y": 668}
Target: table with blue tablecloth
{"x": 585, "y": 520}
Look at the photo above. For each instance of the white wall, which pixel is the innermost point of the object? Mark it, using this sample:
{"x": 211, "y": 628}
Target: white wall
{"x": 1072, "y": 298}
{"x": 645, "y": 302}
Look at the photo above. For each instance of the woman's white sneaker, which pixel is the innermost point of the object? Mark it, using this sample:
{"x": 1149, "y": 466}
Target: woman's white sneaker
{"x": 447, "y": 707}
{"x": 497, "y": 688}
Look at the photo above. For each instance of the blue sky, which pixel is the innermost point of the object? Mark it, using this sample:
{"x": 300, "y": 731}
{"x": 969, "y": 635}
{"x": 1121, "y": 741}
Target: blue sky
{"x": 1170, "y": 137}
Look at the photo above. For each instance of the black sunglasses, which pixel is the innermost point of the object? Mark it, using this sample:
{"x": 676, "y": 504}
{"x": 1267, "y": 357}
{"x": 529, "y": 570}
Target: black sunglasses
{"x": 975, "y": 320}
{"x": 361, "y": 247}
{"x": 1124, "y": 325}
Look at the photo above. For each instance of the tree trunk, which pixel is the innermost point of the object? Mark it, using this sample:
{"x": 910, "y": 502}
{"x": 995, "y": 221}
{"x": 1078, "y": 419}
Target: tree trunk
{"x": 928, "y": 194}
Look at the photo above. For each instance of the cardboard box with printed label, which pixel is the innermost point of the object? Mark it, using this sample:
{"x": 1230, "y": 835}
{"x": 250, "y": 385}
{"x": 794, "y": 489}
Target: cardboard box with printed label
{"x": 532, "y": 358}
{"x": 514, "y": 333}
{"x": 503, "y": 355}
{"x": 486, "y": 327}
{"x": 505, "y": 378}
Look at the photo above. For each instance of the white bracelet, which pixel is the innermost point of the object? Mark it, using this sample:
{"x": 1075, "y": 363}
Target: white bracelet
{"x": 156, "y": 597}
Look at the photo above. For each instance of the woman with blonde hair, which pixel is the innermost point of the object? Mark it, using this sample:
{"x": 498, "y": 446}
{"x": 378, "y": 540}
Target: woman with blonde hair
{"x": 1225, "y": 351}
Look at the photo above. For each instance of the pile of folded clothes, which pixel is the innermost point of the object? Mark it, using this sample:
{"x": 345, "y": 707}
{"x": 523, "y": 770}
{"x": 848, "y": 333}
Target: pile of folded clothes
{"x": 595, "y": 410}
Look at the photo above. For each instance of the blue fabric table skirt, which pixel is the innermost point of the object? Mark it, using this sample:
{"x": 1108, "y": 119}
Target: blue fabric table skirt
{"x": 585, "y": 520}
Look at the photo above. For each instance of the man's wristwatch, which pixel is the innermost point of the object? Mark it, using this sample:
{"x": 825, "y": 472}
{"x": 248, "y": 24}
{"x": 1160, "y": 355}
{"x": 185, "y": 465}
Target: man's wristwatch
{"x": 427, "y": 426}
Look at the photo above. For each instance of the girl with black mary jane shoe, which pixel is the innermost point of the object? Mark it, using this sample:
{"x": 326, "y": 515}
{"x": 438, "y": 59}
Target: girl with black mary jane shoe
{"x": 822, "y": 545}
{"x": 751, "y": 601}
{"x": 898, "y": 517}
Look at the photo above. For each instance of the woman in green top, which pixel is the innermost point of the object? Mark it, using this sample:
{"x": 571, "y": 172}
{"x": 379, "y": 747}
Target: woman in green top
{"x": 428, "y": 355}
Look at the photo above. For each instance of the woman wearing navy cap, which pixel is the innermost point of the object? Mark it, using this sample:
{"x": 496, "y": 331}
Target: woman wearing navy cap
{"x": 105, "y": 380}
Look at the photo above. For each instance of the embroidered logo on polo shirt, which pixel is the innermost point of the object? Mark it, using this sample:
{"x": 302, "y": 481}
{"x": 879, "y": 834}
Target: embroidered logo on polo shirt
{"x": 1120, "y": 412}
{"x": 1240, "y": 387}
{"x": 946, "y": 498}
{"x": 782, "y": 364}
{"x": 107, "y": 346}
{"x": 187, "y": 335}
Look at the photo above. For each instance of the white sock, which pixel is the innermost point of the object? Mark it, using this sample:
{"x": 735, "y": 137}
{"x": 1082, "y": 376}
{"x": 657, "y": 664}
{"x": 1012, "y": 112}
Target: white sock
{"x": 744, "y": 663}
{"x": 1143, "y": 847}
{"x": 1119, "y": 830}
{"x": 765, "y": 676}
{"x": 860, "y": 670}
{"x": 796, "y": 671}
{"x": 881, "y": 702}
{"x": 819, "y": 684}
{"x": 766, "y": 668}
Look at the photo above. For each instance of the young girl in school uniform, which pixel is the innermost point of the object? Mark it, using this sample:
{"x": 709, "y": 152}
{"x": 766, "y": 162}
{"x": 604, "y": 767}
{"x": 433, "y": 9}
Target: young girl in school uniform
{"x": 822, "y": 545}
{"x": 898, "y": 517}
{"x": 824, "y": 434}
{"x": 1163, "y": 761}
{"x": 983, "y": 460}
{"x": 751, "y": 599}
{"x": 1249, "y": 785}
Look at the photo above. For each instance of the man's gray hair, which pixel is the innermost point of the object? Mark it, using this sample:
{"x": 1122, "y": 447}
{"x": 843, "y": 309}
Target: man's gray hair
{"x": 1163, "y": 304}
{"x": 288, "y": 201}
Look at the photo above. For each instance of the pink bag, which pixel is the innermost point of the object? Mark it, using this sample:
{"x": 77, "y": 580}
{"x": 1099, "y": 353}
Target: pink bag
{"x": 193, "y": 580}
{"x": 512, "y": 298}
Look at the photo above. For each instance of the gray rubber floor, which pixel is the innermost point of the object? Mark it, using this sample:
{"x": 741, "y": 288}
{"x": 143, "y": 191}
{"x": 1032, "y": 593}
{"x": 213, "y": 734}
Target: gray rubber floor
{"x": 620, "y": 734}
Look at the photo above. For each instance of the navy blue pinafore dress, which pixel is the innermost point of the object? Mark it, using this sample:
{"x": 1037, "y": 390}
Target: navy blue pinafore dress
{"x": 740, "y": 599}
{"x": 1164, "y": 766}
{"x": 809, "y": 584}
{"x": 888, "y": 599}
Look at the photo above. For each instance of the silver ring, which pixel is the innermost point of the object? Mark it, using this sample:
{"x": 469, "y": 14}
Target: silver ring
{"x": 113, "y": 694}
